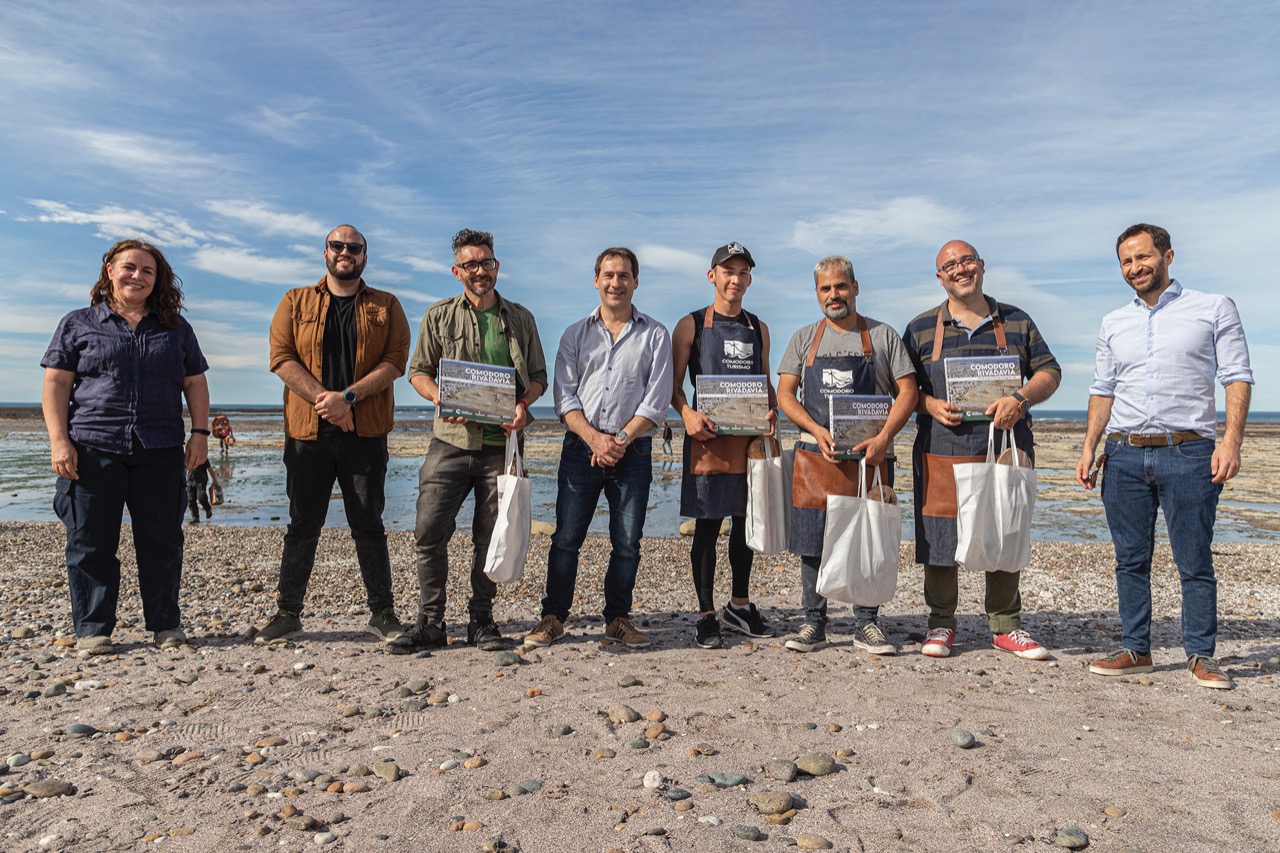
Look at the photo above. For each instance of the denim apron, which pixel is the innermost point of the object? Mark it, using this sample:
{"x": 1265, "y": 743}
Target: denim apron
{"x": 715, "y": 471}
{"x": 814, "y": 477}
{"x": 939, "y": 447}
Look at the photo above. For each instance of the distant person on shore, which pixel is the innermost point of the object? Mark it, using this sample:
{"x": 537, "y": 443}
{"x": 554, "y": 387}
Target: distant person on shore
{"x": 722, "y": 338}
{"x": 465, "y": 458}
{"x": 1152, "y": 394}
{"x": 612, "y": 388}
{"x": 846, "y": 353}
{"x": 337, "y": 345}
{"x": 198, "y": 490}
{"x": 115, "y": 375}
{"x": 968, "y": 324}
{"x": 223, "y": 432}
{"x": 666, "y": 440}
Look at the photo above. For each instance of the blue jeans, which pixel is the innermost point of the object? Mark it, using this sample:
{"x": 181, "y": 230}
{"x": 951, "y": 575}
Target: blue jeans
{"x": 815, "y": 605}
{"x": 151, "y": 483}
{"x": 1178, "y": 480}
{"x": 626, "y": 487}
{"x": 360, "y": 467}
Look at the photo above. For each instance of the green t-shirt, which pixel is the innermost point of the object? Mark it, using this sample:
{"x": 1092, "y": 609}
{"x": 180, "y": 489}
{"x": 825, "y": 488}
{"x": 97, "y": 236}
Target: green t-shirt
{"x": 493, "y": 350}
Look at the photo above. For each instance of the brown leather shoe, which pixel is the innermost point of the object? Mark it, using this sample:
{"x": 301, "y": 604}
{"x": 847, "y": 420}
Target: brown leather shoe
{"x": 621, "y": 630}
{"x": 1207, "y": 673}
{"x": 547, "y": 631}
{"x": 1121, "y": 662}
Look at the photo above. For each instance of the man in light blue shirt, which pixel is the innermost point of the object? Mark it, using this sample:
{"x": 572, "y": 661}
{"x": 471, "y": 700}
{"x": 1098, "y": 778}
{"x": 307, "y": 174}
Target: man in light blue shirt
{"x": 1153, "y": 395}
{"x": 612, "y": 387}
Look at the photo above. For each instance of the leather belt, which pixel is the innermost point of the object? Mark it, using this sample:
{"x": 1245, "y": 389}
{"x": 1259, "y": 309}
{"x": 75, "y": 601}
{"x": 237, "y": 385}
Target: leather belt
{"x": 1164, "y": 439}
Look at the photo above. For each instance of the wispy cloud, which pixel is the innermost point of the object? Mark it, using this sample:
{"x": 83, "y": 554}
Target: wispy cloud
{"x": 267, "y": 220}
{"x": 247, "y": 266}
{"x": 152, "y": 158}
{"x": 111, "y": 222}
{"x": 899, "y": 222}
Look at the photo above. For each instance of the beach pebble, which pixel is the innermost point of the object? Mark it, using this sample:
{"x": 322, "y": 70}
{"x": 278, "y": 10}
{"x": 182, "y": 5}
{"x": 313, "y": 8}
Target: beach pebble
{"x": 963, "y": 738}
{"x": 49, "y": 788}
{"x": 653, "y": 779}
{"x": 303, "y": 666}
{"x": 710, "y": 820}
{"x": 638, "y": 743}
{"x": 817, "y": 764}
{"x": 80, "y": 730}
{"x": 1072, "y": 838}
{"x": 783, "y": 771}
{"x": 303, "y": 774}
{"x": 58, "y": 689}
{"x": 449, "y": 764}
{"x": 507, "y": 658}
{"x": 561, "y": 730}
{"x": 186, "y": 677}
{"x": 349, "y": 711}
{"x": 1114, "y": 811}
{"x": 474, "y": 762}
{"x": 630, "y": 681}
{"x": 419, "y": 685}
{"x": 22, "y": 632}
{"x": 325, "y": 838}
{"x": 605, "y": 752}
{"x": 388, "y": 770}
{"x": 361, "y": 770}
{"x": 678, "y": 794}
{"x": 271, "y": 740}
{"x": 810, "y": 841}
{"x": 621, "y": 714}
{"x": 655, "y": 715}
{"x": 747, "y": 833}
{"x": 18, "y": 759}
{"x": 728, "y": 780}
{"x": 771, "y": 802}
{"x": 355, "y": 788}
{"x": 496, "y": 794}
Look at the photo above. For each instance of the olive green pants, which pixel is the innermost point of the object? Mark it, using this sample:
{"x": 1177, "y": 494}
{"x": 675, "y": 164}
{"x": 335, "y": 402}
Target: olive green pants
{"x": 1003, "y": 601}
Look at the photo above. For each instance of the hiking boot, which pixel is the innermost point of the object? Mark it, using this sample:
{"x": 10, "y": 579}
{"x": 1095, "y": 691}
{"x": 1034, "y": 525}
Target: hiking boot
{"x": 1122, "y": 662}
{"x": 745, "y": 620}
{"x": 871, "y": 639}
{"x": 1020, "y": 643}
{"x": 419, "y": 638}
{"x": 94, "y": 645}
{"x": 384, "y": 625}
{"x": 808, "y": 638}
{"x": 708, "y": 633}
{"x": 620, "y": 630}
{"x": 547, "y": 631}
{"x": 485, "y": 636}
{"x": 171, "y": 638}
{"x": 937, "y": 643}
{"x": 1207, "y": 673}
{"x": 279, "y": 629}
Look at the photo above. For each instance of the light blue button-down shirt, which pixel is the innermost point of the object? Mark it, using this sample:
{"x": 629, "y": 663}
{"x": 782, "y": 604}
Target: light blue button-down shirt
{"x": 611, "y": 381}
{"x": 1159, "y": 364}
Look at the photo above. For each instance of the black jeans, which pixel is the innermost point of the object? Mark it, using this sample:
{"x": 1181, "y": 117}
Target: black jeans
{"x": 360, "y": 467}
{"x": 150, "y": 483}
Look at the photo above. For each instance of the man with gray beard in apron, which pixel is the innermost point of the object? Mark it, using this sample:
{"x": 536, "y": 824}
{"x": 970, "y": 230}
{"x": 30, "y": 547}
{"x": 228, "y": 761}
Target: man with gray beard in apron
{"x": 844, "y": 353}
{"x": 968, "y": 324}
{"x": 718, "y": 340}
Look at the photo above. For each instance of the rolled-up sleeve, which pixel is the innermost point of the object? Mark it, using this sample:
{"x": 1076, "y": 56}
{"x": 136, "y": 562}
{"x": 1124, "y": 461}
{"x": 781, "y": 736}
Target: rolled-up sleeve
{"x": 657, "y": 396}
{"x": 283, "y": 348}
{"x": 568, "y": 371}
{"x": 1104, "y": 366}
{"x": 397, "y": 352}
{"x": 1229, "y": 345}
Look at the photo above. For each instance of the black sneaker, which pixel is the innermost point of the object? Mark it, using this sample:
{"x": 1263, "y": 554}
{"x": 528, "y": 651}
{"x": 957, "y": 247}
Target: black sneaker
{"x": 708, "y": 634}
{"x": 745, "y": 620}
{"x": 485, "y": 636}
{"x": 418, "y": 638}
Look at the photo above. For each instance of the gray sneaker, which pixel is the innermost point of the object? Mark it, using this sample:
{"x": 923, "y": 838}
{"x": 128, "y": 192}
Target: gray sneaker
{"x": 384, "y": 625}
{"x": 171, "y": 638}
{"x": 871, "y": 639}
{"x": 807, "y": 639}
{"x": 283, "y": 626}
{"x": 94, "y": 645}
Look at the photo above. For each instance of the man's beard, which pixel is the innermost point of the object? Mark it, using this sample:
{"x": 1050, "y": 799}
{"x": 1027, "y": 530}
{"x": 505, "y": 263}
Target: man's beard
{"x": 836, "y": 312}
{"x": 353, "y": 275}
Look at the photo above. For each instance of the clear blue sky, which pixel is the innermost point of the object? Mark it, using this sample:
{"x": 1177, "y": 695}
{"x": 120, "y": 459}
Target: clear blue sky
{"x": 235, "y": 135}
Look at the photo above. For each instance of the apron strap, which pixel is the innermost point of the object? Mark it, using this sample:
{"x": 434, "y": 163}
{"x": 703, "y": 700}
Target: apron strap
{"x": 708, "y": 318}
{"x": 1002, "y": 346}
{"x": 817, "y": 339}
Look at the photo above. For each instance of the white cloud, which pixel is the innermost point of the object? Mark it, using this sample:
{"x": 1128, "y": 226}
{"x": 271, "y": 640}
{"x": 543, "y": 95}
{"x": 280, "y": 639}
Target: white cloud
{"x": 150, "y": 157}
{"x": 266, "y": 220}
{"x": 244, "y": 265}
{"x": 914, "y": 221}
{"x": 421, "y": 264}
{"x": 672, "y": 260}
{"x": 162, "y": 227}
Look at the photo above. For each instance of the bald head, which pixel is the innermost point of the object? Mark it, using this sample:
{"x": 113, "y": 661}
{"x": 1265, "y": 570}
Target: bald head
{"x": 954, "y": 249}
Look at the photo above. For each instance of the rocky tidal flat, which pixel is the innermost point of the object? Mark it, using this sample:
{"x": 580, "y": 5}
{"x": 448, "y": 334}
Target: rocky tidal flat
{"x": 329, "y": 741}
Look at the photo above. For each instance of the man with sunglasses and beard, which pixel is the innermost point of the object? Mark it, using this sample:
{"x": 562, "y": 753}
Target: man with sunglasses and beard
{"x": 337, "y": 345}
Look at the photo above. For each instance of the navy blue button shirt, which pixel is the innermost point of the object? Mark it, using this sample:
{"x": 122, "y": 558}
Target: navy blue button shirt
{"x": 128, "y": 381}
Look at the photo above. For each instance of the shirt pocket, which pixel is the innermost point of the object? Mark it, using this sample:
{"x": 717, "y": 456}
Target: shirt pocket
{"x": 376, "y": 315}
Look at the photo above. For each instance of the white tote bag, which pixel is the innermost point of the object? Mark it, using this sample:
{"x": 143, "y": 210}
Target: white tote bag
{"x": 504, "y": 562}
{"x": 860, "y": 547}
{"x": 768, "y": 500}
{"x": 994, "y": 502}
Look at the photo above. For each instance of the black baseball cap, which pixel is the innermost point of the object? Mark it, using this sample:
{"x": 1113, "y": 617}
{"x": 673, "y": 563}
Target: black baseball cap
{"x": 732, "y": 250}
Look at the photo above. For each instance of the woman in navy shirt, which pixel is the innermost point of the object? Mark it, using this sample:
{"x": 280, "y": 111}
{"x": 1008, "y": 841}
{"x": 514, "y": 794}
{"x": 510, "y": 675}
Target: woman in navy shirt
{"x": 115, "y": 375}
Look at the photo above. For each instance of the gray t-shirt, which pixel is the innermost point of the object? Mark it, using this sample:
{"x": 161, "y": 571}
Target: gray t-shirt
{"x": 889, "y": 354}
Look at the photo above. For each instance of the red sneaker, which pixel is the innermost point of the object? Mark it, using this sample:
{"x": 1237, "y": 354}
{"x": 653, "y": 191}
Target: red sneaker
{"x": 1020, "y": 643}
{"x": 937, "y": 643}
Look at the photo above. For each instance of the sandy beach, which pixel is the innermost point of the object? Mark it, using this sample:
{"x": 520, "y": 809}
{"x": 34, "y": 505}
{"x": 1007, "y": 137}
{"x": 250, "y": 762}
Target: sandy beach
{"x": 329, "y": 741}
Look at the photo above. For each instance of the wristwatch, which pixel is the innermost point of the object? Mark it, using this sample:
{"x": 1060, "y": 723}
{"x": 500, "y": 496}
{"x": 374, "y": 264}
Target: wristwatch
{"x": 350, "y": 397}
{"x": 621, "y": 435}
{"x": 1023, "y": 402}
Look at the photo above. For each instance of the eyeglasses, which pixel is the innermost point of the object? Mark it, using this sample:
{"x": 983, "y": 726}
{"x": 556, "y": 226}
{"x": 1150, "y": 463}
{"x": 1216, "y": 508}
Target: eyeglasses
{"x": 336, "y": 246}
{"x": 967, "y": 261}
{"x": 472, "y": 267}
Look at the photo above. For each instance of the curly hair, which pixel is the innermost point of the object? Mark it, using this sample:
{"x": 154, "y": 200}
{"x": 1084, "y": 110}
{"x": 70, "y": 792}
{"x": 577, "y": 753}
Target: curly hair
{"x": 467, "y": 237}
{"x": 166, "y": 296}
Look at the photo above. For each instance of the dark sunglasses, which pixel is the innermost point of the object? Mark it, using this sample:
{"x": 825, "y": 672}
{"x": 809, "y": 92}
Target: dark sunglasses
{"x": 336, "y": 246}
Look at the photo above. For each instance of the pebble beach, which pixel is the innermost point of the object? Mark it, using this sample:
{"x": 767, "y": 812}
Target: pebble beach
{"x": 328, "y": 741}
